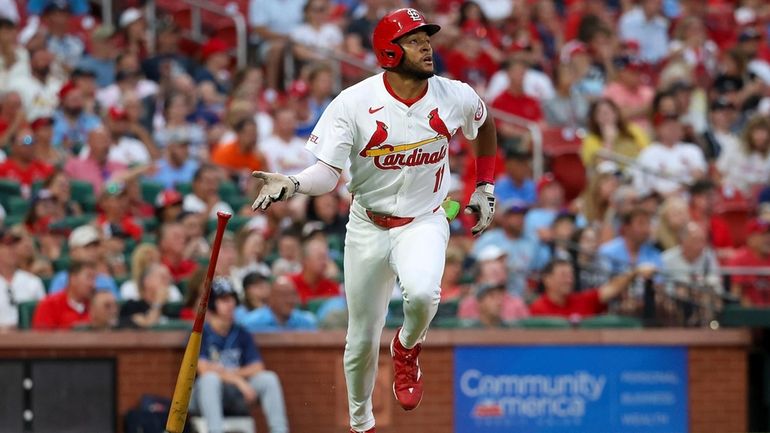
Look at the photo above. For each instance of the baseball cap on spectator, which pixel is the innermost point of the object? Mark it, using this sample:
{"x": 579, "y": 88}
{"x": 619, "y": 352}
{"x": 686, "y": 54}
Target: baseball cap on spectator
{"x": 626, "y": 63}
{"x": 745, "y": 16}
{"x": 114, "y": 188}
{"x": 517, "y": 155}
{"x": 608, "y": 167}
{"x": 213, "y": 46}
{"x": 680, "y": 85}
{"x": 8, "y": 237}
{"x": 168, "y": 197}
{"x": 311, "y": 228}
{"x": 82, "y": 236}
{"x": 129, "y": 16}
{"x": 81, "y": 72}
{"x": 487, "y": 288}
{"x": 221, "y": 287}
{"x": 630, "y": 46}
{"x": 6, "y": 22}
{"x": 757, "y": 226}
{"x": 41, "y": 195}
{"x": 102, "y": 33}
{"x": 661, "y": 118}
{"x": 727, "y": 83}
{"x": 299, "y": 89}
{"x": 721, "y": 104}
{"x": 117, "y": 113}
{"x": 749, "y": 34}
{"x": 66, "y": 89}
{"x": 41, "y": 122}
{"x": 490, "y": 252}
{"x": 515, "y": 206}
{"x": 56, "y": 6}
{"x": 474, "y": 29}
{"x": 571, "y": 49}
{"x": 548, "y": 179}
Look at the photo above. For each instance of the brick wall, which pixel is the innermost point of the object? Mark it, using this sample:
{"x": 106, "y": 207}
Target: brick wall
{"x": 718, "y": 390}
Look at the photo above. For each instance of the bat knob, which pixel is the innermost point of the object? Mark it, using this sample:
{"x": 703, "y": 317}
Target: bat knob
{"x": 224, "y": 215}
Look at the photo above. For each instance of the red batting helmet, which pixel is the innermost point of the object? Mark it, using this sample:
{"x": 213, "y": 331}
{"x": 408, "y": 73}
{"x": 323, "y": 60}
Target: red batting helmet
{"x": 393, "y": 26}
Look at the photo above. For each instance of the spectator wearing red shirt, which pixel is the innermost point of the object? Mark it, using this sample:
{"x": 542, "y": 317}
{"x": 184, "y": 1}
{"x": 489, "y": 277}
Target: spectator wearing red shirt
{"x": 69, "y": 307}
{"x": 703, "y": 198}
{"x": 514, "y": 101}
{"x": 171, "y": 243}
{"x": 472, "y": 59}
{"x": 558, "y": 298}
{"x": 115, "y": 218}
{"x": 22, "y": 165}
{"x": 753, "y": 289}
{"x": 312, "y": 282}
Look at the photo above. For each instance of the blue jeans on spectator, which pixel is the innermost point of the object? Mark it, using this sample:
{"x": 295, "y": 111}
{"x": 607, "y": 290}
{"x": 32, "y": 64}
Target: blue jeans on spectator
{"x": 211, "y": 397}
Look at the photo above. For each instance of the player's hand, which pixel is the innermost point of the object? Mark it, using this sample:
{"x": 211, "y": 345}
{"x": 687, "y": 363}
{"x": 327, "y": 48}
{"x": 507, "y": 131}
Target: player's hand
{"x": 482, "y": 203}
{"x": 276, "y": 187}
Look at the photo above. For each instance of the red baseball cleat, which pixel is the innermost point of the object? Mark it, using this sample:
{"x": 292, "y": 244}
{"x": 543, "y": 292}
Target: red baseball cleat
{"x": 371, "y": 430}
{"x": 407, "y": 381}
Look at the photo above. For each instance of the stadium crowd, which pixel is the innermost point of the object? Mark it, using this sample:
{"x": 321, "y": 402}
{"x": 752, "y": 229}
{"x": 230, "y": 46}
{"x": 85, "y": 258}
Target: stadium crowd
{"x": 118, "y": 151}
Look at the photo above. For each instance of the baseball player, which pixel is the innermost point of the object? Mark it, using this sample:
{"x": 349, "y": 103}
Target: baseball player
{"x": 394, "y": 129}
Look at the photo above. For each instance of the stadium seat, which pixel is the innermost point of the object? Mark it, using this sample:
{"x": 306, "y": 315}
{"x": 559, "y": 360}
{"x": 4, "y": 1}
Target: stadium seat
{"x": 396, "y": 308}
{"x": 82, "y": 191}
{"x": 71, "y": 223}
{"x": 558, "y": 141}
{"x": 149, "y": 224}
{"x": 447, "y": 309}
{"x": 184, "y": 188}
{"x": 12, "y": 220}
{"x": 736, "y": 211}
{"x": 173, "y": 308}
{"x": 26, "y": 311}
{"x": 542, "y": 322}
{"x": 17, "y": 206}
{"x": 62, "y": 263}
{"x": 150, "y": 191}
{"x": 610, "y": 321}
{"x": 47, "y": 283}
{"x": 9, "y": 188}
{"x": 314, "y": 304}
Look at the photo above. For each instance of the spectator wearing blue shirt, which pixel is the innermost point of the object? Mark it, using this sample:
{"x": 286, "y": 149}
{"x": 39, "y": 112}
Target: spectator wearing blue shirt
{"x": 633, "y": 247}
{"x": 648, "y": 27}
{"x": 280, "y": 313}
{"x": 176, "y": 166}
{"x": 231, "y": 373}
{"x": 85, "y": 245}
{"x": 100, "y": 59}
{"x": 516, "y": 183}
{"x": 71, "y": 123}
{"x": 550, "y": 196}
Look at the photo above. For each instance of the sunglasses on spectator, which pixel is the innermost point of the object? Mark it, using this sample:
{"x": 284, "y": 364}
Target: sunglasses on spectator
{"x": 27, "y": 140}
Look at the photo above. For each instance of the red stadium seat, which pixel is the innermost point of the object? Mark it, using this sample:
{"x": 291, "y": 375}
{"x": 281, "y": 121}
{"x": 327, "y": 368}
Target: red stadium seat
{"x": 558, "y": 141}
{"x": 737, "y": 211}
{"x": 562, "y": 148}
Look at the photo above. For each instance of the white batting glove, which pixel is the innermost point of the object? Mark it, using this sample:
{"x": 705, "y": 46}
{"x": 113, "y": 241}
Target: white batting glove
{"x": 482, "y": 203}
{"x": 277, "y": 187}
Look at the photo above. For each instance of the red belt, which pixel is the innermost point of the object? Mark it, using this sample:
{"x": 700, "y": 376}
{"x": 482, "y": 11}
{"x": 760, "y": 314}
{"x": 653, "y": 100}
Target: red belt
{"x": 389, "y": 221}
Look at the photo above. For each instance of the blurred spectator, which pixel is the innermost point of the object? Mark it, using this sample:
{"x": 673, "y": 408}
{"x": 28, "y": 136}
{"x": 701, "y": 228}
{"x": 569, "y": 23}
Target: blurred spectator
{"x": 320, "y": 81}
{"x": 472, "y": 59}
{"x": 272, "y": 23}
{"x": 193, "y": 295}
{"x": 556, "y": 242}
{"x": 362, "y": 23}
{"x": 231, "y": 373}
{"x": 633, "y": 247}
{"x": 204, "y": 197}
{"x": 629, "y": 92}
{"x": 703, "y": 198}
{"x": 227, "y": 262}
{"x": 490, "y": 299}
{"x": 151, "y": 308}
{"x": 252, "y": 251}
{"x": 668, "y": 165}
{"x": 128, "y": 79}
{"x": 550, "y": 201}
{"x": 103, "y": 312}
{"x": 38, "y": 90}
{"x": 589, "y": 269}
{"x": 691, "y": 43}
{"x": 215, "y": 67}
{"x": 691, "y": 103}
{"x": 177, "y": 128}
{"x": 133, "y": 32}
{"x": 515, "y": 102}
{"x": 128, "y": 147}
{"x": 177, "y": 166}
{"x": 144, "y": 256}
{"x": 719, "y": 136}
{"x": 607, "y": 129}
{"x": 16, "y": 285}
{"x": 59, "y": 185}
{"x": 281, "y": 312}
{"x": 559, "y": 299}
{"x": 43, "y": 211}
{"x": 67, "y": 47}
{"x": 568, "y": 108}
{"x": 312, "y": 281}
{"x": 94, "y": 167}
{"x": 492, "y": 272}
{"x": 597, "y": 197}
{"x": 100, "y": 58}
{"x": 69, "y": 307}
{"x": 34, "y": 254}
{"x": 316, "y": 37}
{"x": 14, "y": 59}
{"x": 171, "y": 244}
{"x": 115, "y": 218}
{"x": 646, "y": 25}
{"x": 242, "y": 154}
{"x": 194, "y": 225}
{"x": 746, "y": 167}
{"x": 12, "y": 116}
{"x": 42, "y": 134}
{"x": 452, "y": 286}
{"x": 168, "y": 206}
{"x": 516, "y": 183}
{"x": 71, "y": 123}
{"x": 289, "y": 261}
{"x": 85, "y": 245}
{"x": 167, "y": 60}
{"x": 23, "y": 165}
{"x": 752, "y": 287}
{"x": 674, "y": 216}
{"x": 284, "y": 151}
{"x": 256, "y": 291}
{"x": 692, "y": 263}
{"x": 326, "y": 210}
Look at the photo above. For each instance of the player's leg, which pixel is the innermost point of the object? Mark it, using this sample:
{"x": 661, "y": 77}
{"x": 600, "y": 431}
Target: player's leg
{"x": 418, "y": 256}
{"x": 368, "y": 284}
{"x": 209, "y": 399}
{"x": 268, "y": 389}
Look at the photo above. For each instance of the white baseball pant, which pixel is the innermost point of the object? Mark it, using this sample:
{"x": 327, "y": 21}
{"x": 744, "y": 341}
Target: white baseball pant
{"x": 374, "y": 257}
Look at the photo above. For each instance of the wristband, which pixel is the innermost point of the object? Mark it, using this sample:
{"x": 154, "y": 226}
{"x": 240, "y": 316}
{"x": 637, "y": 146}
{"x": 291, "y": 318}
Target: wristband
{"x": 296, "y": 183}
{"x": 485, "y": 169}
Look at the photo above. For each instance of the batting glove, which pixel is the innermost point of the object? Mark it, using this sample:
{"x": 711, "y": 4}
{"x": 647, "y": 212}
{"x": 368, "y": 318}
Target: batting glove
{"x": 276, "y": 187}
{"x": 482, "y": 203}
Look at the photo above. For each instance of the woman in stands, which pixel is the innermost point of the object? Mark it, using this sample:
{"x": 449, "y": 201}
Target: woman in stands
{"x": 746, "y": 168}
{"x": 144, "y": 256}
{"x": 674, "y": 216}
{"x": 608, "y": 130}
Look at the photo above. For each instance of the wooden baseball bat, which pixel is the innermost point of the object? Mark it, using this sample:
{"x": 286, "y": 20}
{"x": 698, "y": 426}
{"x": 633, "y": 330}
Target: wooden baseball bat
{"x": 177, "y": 415}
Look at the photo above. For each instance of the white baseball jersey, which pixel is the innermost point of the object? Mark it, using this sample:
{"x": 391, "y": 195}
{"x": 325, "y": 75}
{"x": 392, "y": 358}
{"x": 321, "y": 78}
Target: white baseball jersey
{"x": 398, "y": 151}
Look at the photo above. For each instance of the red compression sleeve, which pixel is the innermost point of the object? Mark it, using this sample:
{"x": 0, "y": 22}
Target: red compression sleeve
{"x": 485, "y": 169}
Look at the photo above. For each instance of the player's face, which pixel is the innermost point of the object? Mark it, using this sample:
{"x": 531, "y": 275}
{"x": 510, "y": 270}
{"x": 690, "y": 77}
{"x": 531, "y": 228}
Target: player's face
{"x": 418, "y": 56}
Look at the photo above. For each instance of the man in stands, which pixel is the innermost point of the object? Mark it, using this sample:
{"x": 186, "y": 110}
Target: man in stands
{"x": 94, "y": 168}
{"x": 204, "y": 197}
{"x": 23, "y": 165}
{"x": 558, "y": 299}
{"x": 281, "y": 312}
{"x": 69, "y": 307}
{"x": 171, "y": 243}
{"x": 312, "y": 282}
{"x": 16, "y": 285}
{"x": 753, "y": 289}
{"x": 85, "y": 245}
{"x": 633, "y": 246}
{"x": 103, "y": 312}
